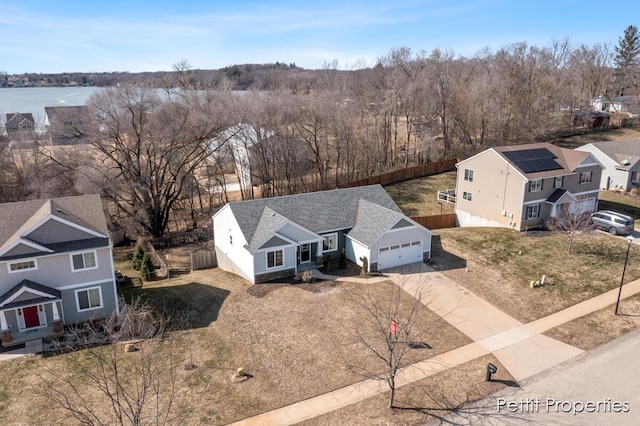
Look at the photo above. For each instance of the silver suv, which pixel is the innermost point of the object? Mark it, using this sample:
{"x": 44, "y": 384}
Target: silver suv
{"x": 615, "y": 223}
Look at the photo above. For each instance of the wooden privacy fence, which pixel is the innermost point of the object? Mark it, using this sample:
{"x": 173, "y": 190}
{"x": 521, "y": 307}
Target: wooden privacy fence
{"x": 402, "y": 175}
{"x": 437, "y": 221}
{"x": 203, "y": 260}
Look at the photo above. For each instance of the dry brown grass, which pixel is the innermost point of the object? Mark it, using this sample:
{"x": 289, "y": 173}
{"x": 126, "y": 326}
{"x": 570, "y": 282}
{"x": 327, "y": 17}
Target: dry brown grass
{"x": 429, "y": 399}
{"x": 600, "y": 327}
{"x": 500, "y": 264}
{"x": 417, "y": 197}
{"x": 291, "y": 340}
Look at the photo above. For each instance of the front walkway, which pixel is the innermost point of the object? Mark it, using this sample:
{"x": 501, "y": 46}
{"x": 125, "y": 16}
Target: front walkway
{"x": 520, "y": 347}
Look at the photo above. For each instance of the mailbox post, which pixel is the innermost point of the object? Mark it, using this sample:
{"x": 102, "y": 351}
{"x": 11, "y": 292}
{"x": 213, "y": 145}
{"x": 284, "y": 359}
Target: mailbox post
{"x": 491, "y": 369}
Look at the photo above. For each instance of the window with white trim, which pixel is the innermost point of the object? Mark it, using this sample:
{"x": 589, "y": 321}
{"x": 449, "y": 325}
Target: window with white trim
{"x": 275, "y": 258}
{"x": 535, "y": 185}
{"x": 85, "y": 260}
{"x": 466, "y": 195}
{"x": 585, "y": 177}
{"x": 330, "y": 242}
{"x": 22, "y": 265}
{"x": 468, "y": 175}
{"x": 89, "y": 298}
{"x": 533, "y": 211}
{"x": 557, "y": 183}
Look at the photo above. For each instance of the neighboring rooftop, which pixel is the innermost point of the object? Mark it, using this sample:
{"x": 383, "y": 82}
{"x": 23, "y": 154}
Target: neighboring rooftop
{"x": 84, "y": 210}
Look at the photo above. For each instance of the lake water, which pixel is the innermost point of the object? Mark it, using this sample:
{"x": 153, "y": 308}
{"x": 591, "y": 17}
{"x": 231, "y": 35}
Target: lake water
{"x": 34, "y": 99}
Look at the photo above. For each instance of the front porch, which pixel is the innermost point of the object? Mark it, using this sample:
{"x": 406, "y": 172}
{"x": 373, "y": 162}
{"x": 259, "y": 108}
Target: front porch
{"x": 22, "y": 337}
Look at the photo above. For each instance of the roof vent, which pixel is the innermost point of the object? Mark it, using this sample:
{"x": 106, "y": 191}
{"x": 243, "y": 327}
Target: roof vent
{"x": 625, "y": 162}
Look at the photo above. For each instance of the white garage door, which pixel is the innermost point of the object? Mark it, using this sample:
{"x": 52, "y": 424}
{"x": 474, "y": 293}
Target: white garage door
{"x": 399, "y": 254}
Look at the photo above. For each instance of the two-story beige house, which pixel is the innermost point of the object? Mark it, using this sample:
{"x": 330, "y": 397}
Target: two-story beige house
{"x": 522, "y": 186}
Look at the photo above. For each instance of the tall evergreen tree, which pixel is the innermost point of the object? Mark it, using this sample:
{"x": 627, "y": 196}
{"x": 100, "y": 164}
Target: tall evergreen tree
{"x": 627, "y": 58}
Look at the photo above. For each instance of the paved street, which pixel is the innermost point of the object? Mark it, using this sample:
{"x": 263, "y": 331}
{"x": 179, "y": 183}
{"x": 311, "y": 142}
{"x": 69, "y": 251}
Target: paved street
{"x": 601, "y": 386}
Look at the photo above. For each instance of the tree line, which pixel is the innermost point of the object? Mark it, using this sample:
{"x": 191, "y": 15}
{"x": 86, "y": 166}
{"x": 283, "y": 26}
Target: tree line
{"x": 163, "y": 158}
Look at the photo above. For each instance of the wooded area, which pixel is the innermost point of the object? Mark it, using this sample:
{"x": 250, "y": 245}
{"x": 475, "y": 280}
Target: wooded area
{"x": 163, "y": 159}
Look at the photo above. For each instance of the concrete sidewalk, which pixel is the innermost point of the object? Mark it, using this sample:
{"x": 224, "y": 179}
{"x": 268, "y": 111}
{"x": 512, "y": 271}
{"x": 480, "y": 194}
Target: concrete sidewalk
{"x": 519, "y": 347}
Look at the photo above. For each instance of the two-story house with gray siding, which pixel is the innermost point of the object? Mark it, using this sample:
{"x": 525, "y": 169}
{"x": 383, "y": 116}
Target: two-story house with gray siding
{"x": 56, "y": 266}
{"x": 522, "y": 186}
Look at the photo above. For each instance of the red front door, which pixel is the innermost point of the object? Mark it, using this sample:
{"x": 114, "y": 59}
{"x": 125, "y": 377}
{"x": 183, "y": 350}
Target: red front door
{"x": 31, "y": 317}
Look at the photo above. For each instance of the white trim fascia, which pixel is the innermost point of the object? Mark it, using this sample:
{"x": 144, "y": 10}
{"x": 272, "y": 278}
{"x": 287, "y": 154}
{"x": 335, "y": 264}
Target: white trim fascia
{"x": 31, "y": 244}
{"x": 63, "y": 253}
{"x": 115, "y": 286}
{"x": 593, "y": 191}
{"x": 538, "y": 201}
{"x": 30, "y": 290}
{"x": 275, "y": 234}
{"x": 295, "y": 225}
{"x": 65, "y": 222}
{"x": 85, "y": 284}
{"x": 331, "y": 231}
{"x": 416, "y": 226}
{"x": 310, "y": 241}
{"x": 220, "y": 211}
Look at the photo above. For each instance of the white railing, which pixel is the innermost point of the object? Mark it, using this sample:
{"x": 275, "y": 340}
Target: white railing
{"x": 447, "y": 196}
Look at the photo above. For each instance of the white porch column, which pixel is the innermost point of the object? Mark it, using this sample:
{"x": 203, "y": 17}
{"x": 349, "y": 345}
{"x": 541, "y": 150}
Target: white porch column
{"x": 3, "y": 321}
{"x": 319, "y": 257}
{"x": 54, "y": 308}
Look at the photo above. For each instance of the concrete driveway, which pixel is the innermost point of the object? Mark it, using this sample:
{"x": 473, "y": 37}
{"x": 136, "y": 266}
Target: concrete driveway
{"x": 519, "y": 347}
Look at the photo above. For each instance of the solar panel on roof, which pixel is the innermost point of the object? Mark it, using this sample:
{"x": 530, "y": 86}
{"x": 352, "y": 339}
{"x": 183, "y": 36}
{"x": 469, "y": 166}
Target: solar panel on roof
{"x": 533, "y": 160}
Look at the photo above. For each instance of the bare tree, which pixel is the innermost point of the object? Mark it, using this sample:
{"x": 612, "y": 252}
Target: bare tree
{"x": 572, "y": 220}
{"x": 388, "y": 330}
{"x": 105, "y": 385}
{"x": 148, "y": 148}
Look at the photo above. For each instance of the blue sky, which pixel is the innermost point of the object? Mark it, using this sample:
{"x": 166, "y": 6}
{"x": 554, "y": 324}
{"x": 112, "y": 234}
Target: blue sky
{"x": 92, "y": 36}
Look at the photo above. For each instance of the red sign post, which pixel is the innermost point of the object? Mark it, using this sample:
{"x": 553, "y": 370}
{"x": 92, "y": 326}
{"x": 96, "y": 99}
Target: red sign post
{"x": 393, "y": 328}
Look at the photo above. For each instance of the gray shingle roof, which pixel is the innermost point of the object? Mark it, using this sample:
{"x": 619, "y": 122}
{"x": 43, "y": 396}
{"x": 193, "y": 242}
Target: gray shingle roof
{"x": 33, "y": 286}
{"x": 318, "y": 212}
{"x": 372, "y": 222}
{"x": 84, "y": 210}
{"x": 620, "y": 151}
